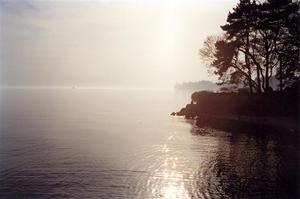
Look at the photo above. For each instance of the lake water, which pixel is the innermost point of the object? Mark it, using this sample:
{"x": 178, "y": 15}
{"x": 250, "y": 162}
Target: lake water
{"x": 89, "y": 143}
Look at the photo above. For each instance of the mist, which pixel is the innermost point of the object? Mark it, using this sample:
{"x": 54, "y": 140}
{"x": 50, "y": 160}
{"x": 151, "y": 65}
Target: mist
{"x": 108, "y": 44}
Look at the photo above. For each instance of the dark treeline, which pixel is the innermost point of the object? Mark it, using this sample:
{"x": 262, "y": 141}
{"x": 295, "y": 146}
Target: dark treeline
{"x": 260, "y": 46}
{"x": 260, "y": 41}
{"x": 270, "y": 112}
{"x": 261, "y": 105}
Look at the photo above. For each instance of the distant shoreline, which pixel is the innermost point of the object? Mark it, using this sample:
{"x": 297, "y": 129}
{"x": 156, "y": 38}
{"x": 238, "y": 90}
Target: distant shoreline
{"x": 198, "y": 85}
{"x": 80, "y": 88}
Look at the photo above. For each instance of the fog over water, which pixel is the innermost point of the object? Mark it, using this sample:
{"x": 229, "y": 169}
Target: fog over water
{"x": 95, "y": 143}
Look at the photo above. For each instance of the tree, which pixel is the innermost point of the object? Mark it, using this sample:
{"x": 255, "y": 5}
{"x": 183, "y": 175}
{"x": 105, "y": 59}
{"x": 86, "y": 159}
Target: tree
{"x": 278, "y": 24}
{"x": 261, "y": 40}
{"x": 231, "y": 65}
{"x": 285, "y": 21}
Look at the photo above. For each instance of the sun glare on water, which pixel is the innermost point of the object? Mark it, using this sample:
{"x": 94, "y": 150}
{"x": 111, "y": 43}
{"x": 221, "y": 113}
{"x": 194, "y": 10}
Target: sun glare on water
{"x": 167, "y": 181}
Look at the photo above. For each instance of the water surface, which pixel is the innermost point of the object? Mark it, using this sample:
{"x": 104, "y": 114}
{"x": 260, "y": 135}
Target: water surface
{"x": 89, "y": 143}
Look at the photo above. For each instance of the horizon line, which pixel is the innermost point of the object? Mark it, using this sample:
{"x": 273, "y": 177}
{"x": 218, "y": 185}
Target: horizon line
{"x": 86, "y": 87}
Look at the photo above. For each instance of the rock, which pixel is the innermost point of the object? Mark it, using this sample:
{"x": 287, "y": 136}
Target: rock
{"x": 181, "y": 112}
{"x": 190, "y": 111}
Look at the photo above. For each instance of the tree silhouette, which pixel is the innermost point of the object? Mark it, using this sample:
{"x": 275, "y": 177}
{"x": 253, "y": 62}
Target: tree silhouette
{"x": 261, "y": 40}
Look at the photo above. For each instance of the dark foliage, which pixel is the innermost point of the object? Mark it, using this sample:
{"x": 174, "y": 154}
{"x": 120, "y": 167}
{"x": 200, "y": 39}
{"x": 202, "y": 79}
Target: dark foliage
{"x": 261, "y": 41}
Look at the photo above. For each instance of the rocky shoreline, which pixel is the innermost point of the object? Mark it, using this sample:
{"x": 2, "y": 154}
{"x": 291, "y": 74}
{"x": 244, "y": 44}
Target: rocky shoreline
{"x": 235, "y": 111}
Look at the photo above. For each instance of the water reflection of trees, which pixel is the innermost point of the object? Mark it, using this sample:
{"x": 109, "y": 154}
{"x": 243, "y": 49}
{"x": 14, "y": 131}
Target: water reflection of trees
{"x": 250, "y": 166}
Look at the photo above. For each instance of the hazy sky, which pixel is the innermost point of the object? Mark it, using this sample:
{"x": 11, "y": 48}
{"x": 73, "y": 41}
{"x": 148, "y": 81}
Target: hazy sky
{"x": 127, "y": 43}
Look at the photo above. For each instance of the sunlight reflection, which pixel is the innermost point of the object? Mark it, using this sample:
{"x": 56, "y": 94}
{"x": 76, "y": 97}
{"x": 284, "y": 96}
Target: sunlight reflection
{"x": 168, "y": 181}
{"x": 165, "y": 148}
{"x": 175, "y": 191}
{"x": 171, "y": 185}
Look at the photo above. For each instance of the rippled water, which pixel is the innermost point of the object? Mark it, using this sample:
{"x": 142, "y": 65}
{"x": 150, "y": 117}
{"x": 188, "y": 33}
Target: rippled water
{"x": 80, "y": 143}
